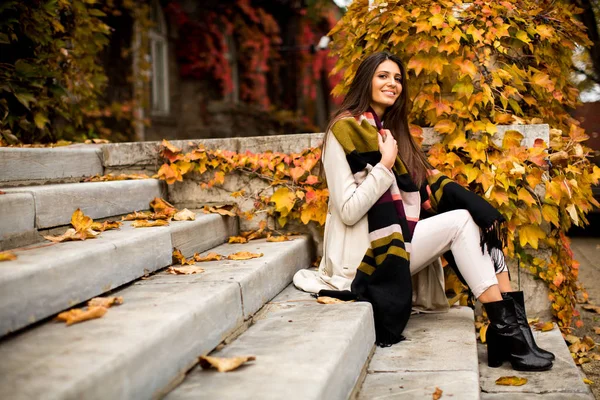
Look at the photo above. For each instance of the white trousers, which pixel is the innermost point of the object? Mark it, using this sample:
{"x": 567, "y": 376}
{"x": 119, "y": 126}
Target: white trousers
{"x": 456, "y": 231}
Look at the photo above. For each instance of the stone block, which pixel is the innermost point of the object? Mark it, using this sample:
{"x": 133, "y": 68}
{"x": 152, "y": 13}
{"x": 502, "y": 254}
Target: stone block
{"x": 17, "y": 214}
{"x": 303, "y": 351}
{"x": 54, "y": 204}
{"x": 535, "y": 291}
{"x": 420, "y": 384}
{"x": 564, "y": 379}
{"x": 133, "y": 352}
{"x": 46, "y": 279}
{"x": 206, "y": 232}
{"x": 434, "y": 342}
{"x": 48, "y": 164}
{"x": 260, "y": 279}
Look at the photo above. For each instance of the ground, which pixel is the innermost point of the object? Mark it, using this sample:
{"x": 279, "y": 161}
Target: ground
{"x": 586, "y": 246}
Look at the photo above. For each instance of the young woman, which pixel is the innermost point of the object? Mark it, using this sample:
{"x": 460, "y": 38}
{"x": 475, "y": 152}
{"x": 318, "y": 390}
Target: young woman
{"x": 391, "y": 216}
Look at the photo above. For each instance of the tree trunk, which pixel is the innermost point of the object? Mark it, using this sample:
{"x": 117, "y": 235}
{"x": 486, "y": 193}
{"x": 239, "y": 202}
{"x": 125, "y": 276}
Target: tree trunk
{"x": 589, "y": 20}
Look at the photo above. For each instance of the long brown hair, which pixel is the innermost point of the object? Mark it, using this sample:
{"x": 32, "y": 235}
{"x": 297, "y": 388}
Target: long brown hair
{"x": 395, "y": 118}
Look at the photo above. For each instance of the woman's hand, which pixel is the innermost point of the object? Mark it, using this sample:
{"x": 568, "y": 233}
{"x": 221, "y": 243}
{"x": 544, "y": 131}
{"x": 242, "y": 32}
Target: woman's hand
{"x": 388, "y": 149}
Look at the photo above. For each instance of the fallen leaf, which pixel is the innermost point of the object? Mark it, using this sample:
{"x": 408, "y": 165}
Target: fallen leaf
{"x": 97, "y": 141}
{"x": 597, "y": 330}
{"x": 105, "y": 226}
{"x": 226, "y": 210}
{"x": 185, "y": 270}
{"x": 105, "y": 302}
{"x": 589, "y": 342}
{"x": 147, "y": 224}
{"x": 185, "y": 215}
{"x": 80, "y": 221}
{"x": 532, "y": 321}
{"x": 544, "y": 326}
{"x": 243, "y": 255}
{"x": 511, "y": 381}
{"x": 437, "y": 394}
{"x": 1, "y": 192}
{"x": 162, "y": 206}
{"x": 72, "y": 234}
{"x": 137, "y": 215}
{"x": 572, "y": 339}
{"x": 178, "y": 257}
{"x": 587, "y": 381}
{"x": 208, "y": 257}
{"x": 79, "y": 315}
{"x": 224, "y": 364}
{"x": 483, "y": 332}
{"x": 281, "y": 238}
{"x": 7, "y": 256}
{"x": 331, "y": 300}
{"x": 592, "y": 308}
{"x": 111, "y": 177}
{"x": 237, "y": 239}
{"x": 161, "y": 215}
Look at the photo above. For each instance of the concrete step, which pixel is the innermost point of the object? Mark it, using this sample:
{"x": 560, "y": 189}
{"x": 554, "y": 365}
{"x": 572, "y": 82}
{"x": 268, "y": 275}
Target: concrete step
{"x": 304, "y": 350}
{"x": 140, "y": 348}
{"x": 440, "y": 351}
{"x": 26, "y": 210}
{"x": 563, "y": 381}
{"x": 23, "y": 166}
{"x": 48, "y": 278}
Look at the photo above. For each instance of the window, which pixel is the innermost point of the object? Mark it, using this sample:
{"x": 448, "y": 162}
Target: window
{"x": 159, "y": 56}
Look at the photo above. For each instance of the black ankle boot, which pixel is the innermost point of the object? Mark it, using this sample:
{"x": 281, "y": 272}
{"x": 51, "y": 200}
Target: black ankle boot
{"x": 517, "y": 297}
{"x": 505, "y": 341}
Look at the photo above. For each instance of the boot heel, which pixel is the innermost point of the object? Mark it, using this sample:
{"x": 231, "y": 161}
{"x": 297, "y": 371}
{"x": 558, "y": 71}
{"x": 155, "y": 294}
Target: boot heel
{"x": 494, "y": 350}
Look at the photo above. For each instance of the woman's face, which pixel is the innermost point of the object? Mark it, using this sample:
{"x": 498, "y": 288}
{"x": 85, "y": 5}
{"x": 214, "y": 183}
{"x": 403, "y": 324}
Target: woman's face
{"x": 386, "y": 86}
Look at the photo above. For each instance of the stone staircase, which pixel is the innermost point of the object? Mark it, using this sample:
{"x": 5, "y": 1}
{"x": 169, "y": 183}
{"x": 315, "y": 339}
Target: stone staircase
{"x": 148, "y": 347}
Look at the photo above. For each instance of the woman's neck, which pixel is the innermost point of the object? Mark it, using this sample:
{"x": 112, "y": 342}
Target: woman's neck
{"x": 378, "y": 110}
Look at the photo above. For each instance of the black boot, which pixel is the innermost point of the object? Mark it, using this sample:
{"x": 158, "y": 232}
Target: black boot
{"x": 505, "y": 341}
{"x": 517, "y": 297}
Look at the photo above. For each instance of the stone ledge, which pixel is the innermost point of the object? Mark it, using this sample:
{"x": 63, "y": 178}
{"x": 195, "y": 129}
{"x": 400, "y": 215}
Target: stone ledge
{"x": 304, "y": 350}
{"x": 54, "y": 204}
{"x": 49, "y": 278}
{"x": 48, "y": 164}
{"x": 17, "y": 214}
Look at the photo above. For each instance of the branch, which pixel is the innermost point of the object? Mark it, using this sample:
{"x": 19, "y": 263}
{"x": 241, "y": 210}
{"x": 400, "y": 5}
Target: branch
{"x": 587, "y": 75}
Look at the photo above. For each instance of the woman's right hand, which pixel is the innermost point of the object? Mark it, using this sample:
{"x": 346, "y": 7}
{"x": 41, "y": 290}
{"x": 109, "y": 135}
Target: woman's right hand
{"x": 388, "y": 149}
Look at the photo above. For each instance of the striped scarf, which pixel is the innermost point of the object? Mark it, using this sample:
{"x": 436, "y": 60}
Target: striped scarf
{"x": 383, "y": 277}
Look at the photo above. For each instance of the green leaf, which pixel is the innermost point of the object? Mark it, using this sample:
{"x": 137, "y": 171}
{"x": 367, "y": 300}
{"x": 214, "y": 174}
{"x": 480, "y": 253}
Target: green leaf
{"x": 25, "y": 98}
{"x": 40, "y": 120}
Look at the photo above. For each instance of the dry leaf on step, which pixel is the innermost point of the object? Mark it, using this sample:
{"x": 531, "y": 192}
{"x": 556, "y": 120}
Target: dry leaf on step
{"x": 7, "y": 256}
{"x": 592, "y": 308}
{"x": 72, "y": 234}
{"x": 243, "y": 255}
{"x": 208, "y": 257}
{"x": 106, "y": 225}
{"x": 185, "y": 215}
{"x": 79, "y": 315}
{"x": 437, "y": 395}
{"x": 532, "y": 321}
{"x": 237, "y": 239}
{"x": 571, "y": 339}
{"x": 281, "y": 238}
{"x": 331, "y": 300}
{"x": 596, "y": 328}
{"x": 137, "y": 215}
{"x": 185, "y": 270}
{"x": 511, "y": 381}
{"x": 162, "y": 206}
{"x": 226, "y": 210}
{"x": 587, "y": 381}
{"x": 483, "y": 333}
{"x": 544, "y": 326}
{"x": 148, "y": 224}
{"x": 178, "y": 257}
{"x": 224, "y": 364}
{"x": 105, "y": 302}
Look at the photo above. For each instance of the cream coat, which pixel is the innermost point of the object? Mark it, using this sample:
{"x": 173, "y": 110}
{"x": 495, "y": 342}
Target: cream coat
{"x": 347, "y": 232}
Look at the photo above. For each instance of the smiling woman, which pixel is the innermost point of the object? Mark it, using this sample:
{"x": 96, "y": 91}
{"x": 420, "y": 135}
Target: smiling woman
{"x": 391, "y": 216}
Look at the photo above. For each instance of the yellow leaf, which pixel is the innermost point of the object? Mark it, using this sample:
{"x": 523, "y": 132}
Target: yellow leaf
{"x": 284, "y": 200}
{"x": 437, "y": 20}
{"x": 237, "y": 239}
{"x": 162, "y": 206}
{"x": 573, "y": 213}
{"x": 208, "y": 257}
{"x": 105, "y": 226}
{"x": 105, "y": 302}
{"x": 185, "y": 270}
{"x": 281, "y": 238}
{"x": 587, "y": 381}
{"x": 544, "y": 326}
{"x": 7, "y": 256}
{"x": 225, "y": 210}
{"x": 185, "y": 215}
{"x": 512, "y": 139}
{"x": 239, "y": 193}
{"x": 592, "y": 308}
{"x": 483, "y": 332}
{"x": 511, "y": 381}
{"x": 77, "y": 315}
{"x": 543, "y": 80}
{"x": 437, "y": 394}
{"x": 137, "y": 215}
{"x": 149, "y": 224}
{"x": 530, "y": 234}
{"x": 180, "y": 258}
{"x": 525, "y": 196}
{"x": 224, "y": 364}
{"x": 244, "y": 255}
{"x": 331, "y": 300}
{"x": 445, "y": 126}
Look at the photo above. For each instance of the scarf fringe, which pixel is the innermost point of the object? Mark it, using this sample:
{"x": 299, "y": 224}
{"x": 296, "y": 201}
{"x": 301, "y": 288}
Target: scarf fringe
{"x": 494, "y": 239}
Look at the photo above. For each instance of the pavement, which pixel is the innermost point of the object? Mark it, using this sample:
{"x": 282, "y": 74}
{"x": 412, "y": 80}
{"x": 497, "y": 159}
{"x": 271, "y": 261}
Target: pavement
{"x": 586, "y": 247}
